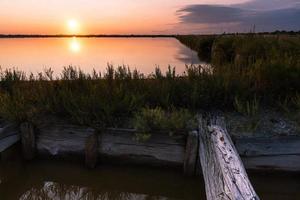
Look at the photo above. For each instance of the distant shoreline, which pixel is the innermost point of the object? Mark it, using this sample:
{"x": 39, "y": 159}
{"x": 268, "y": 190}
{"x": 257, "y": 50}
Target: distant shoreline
{"x": 295, "y": 33}
{"x": 82, "y": 36}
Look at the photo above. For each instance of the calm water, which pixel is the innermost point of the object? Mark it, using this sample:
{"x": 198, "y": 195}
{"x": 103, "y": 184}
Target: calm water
{"x": 33, "y": 55}
{"x": 60, "y": 180}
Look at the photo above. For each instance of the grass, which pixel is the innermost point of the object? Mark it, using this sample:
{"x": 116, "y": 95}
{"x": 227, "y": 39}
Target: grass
{"x": 248, "y": 73}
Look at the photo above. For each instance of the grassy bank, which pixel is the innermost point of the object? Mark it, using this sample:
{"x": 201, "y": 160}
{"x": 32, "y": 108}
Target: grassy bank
{"x": 254, "y": 69}
{"x": 248, "y": 73}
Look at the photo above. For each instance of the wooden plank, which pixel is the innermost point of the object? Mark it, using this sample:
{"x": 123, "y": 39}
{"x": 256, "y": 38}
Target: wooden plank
{"x": 223, "y": 171}
{"x": 191, "y": 153}
{"x": 249, "y": 147}
{"x": 8, "y": 129}
{"x": 28, "y": 140}
{"x": 290, "y": 163}
{"x": 160, "y": 149}
{"x": 7, "y": 142}
{"x": 64, "y": 139}
{"x": 9, "y": 135}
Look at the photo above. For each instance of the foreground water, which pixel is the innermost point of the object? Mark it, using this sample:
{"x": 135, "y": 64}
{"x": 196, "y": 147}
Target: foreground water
{"x": 61, "y": 180}
{"x": 144, "y": 54}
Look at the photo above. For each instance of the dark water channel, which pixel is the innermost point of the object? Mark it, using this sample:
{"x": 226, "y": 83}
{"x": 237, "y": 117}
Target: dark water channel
{"x": 63, "y": 180}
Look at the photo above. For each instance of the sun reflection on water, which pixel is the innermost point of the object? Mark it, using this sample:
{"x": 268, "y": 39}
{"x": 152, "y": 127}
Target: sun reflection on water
{"x": 75, "y": 45}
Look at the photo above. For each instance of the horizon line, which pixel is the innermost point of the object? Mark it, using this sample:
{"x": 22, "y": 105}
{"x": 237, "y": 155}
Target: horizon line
{"x": 135, "y": 35}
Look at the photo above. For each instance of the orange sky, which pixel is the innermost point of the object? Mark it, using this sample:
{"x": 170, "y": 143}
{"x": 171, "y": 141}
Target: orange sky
{"x": 95, "y": 16}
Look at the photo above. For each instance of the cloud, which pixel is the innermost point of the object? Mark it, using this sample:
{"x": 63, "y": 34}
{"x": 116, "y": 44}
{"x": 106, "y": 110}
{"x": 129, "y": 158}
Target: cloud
{"x": 241, "y": 17}
{"x": 269, "y": 4}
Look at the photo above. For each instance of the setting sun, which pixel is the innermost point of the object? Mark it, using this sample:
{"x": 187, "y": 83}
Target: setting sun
{"x": 73, "y": 26}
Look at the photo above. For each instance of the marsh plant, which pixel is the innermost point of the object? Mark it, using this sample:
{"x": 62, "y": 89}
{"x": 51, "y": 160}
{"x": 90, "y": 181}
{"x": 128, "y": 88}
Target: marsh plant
{"x": 150, "y": 120}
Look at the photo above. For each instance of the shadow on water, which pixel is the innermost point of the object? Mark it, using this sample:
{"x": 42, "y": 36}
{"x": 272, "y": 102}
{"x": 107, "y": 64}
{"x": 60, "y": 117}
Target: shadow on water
{"x": 57, "y": 180}
{"x": 186, "y": 55}
{"x": 62, "y": 180}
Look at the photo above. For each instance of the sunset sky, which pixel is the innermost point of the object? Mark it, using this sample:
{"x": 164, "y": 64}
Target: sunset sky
{"x": 146, "y": 17}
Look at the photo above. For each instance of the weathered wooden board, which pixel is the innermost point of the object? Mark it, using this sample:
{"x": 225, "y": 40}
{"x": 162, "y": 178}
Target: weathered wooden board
{"x": 8, "y": 129}
{"x": 9, "y": 135}
{"x": 191, "y": 153}
{"x": 62, "y": 139}
{"x": 120, "y": 145}
{"x": 223, "y": 171}
{"x": 279, "y": 153}
{"x": 249, "y": 147}
{"x": 158, "y": 149}
{"x": 7, "y": 142}
{"x": 277, "y": 163}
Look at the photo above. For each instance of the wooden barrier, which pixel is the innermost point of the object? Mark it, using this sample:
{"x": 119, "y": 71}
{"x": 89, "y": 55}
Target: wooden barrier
{"x": 60, "y": 139}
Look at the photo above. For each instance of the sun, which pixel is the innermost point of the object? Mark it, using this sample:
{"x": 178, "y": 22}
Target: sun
{"x": 73, "y": 26}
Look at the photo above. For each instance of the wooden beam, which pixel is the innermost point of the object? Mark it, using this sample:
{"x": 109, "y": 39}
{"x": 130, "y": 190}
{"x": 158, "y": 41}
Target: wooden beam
{"x": 191, "y": 153}
{"x": 223, "y": 171}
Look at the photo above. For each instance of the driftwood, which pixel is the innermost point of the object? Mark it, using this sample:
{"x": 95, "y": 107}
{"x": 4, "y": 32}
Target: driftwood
{"x": 223, "y": 170}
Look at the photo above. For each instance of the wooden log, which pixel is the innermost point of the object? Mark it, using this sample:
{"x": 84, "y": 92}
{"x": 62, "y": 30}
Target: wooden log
{"x": 91, "y": 151}
{"x": 223, "y": 171}
{"x": 28, "y": 140}
{"x": 191, "y": 153}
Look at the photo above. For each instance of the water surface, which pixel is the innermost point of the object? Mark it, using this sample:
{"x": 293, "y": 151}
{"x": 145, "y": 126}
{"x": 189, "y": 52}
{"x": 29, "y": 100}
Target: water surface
{"x": 144, "y": 54}
{"x": 62, "y": 180}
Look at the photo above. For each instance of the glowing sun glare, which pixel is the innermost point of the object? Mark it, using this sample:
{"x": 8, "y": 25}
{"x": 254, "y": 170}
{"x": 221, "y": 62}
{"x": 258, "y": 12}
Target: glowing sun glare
{"x": 73, "y": 26}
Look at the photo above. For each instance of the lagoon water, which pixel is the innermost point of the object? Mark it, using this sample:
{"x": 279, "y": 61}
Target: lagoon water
{"x": 144, "y": 54}
{"x": 63, "y": 180}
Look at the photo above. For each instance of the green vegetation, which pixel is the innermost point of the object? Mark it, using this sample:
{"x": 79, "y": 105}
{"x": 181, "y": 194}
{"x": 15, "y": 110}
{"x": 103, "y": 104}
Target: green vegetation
{"x": 248, "y": 73}
{"x": 254, "y": 70}
{"x": 174, "y": 121}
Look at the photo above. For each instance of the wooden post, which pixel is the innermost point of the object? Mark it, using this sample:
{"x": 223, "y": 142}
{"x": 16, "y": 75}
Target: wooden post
{"x": 28, "y": 140}
{"x": 91, "y": 151}
{"x": 191, "y": 153}
{"x": 223, "y": 171}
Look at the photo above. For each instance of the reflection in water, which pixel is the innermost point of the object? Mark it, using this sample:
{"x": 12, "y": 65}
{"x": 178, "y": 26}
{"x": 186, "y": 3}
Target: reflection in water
{"x": 185, "y": 55}
{"x": 63, "y": 181}
{"x": 143, "y": 54}
{"x": 75, "y": 45}
{"x": 53, "y": 191}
